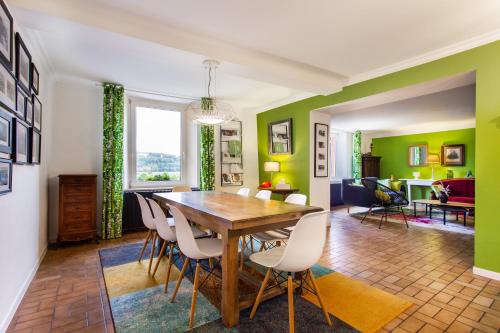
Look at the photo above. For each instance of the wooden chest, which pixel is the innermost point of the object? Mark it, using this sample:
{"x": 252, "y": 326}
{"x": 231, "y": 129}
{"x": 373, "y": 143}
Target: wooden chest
{"x": 77, "y": 207}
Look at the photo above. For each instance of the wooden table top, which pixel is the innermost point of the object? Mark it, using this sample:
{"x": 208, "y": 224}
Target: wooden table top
{"x": 236, "y": 211}
{"x": 449, "y": 203}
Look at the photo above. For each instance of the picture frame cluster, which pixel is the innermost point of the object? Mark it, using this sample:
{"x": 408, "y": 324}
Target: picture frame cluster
{"x": 20, "y": 107}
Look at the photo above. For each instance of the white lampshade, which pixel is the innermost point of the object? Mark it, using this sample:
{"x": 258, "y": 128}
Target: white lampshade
{"x": 272, "y": 166}
{"x": 433, "y": 159}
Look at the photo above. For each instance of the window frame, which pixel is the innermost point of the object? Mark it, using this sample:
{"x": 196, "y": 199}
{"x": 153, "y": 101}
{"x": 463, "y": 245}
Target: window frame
{"x": 135, "y": 102}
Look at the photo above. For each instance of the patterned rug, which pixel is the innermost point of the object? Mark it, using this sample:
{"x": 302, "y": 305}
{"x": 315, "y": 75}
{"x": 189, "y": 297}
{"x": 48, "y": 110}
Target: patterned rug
{"x": 138, "y": 303}
{"x": 422, "y": 220}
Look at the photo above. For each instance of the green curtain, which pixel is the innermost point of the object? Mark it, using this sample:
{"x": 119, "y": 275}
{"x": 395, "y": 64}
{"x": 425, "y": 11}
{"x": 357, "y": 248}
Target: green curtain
{"x": 207, "y": 154}
{"x": 112, "y": 165}
{"x": 356, "y": 154}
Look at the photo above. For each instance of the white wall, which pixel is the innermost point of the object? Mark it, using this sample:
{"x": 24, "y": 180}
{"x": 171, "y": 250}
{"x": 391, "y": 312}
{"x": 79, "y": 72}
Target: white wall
{"x": 319, "y": 188}
{"x": 23, "y": 212}
{"x": 77, "y": 137}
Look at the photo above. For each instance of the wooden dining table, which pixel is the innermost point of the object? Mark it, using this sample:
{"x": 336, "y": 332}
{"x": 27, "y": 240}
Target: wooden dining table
{"x": 232, "y": 216}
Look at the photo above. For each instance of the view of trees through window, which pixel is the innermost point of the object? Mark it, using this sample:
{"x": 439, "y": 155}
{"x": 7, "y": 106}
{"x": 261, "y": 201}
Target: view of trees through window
{"x": 158, "y": 145}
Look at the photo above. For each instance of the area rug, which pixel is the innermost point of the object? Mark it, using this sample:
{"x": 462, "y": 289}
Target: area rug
{"x": 138, "y": 303}
{"x": 423, "y": 220}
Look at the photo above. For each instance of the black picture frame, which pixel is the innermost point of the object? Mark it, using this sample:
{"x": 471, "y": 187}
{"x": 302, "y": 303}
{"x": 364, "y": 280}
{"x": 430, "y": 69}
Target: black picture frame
{"x": 458, "y": 150}
{"x": 20, "y": 147}
{"x": 274, "y": 136}
{"x": 6, "y": 36}
{"x": 35, "y": 79}
{"x": 37, "y": 113}
{"x": 35, "y": 146}
{"x": 23, "y": 68}
{"x": 5, "y": 176}
{"x": 231, "y": 167}
{"x": 21, "y": 98}
{"x": 321, "y": 150}
{"x": 6, "y": 130}
{"x": 8, "y": 89}
{"x": 28, "y": 115}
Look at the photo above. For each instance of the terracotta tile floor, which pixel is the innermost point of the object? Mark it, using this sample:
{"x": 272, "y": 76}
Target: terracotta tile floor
{"x": 431, "y": 268}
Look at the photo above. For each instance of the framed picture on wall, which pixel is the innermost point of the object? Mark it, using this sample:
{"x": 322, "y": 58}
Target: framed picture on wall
{"x": 280, "y": 137}
{"x": 37, "y": 113}
{"x": 5, "y": 176}
{"x": 23, "y": 62}
{"x": 231, "y": 154}
{"x": 20, "y": 142}
{"x": 28, "y": 115}
{"x": 7, "y": 88}
{"x": 453, "y": 155}
{"x": 21, "y": 98}
{"x": 6, "y": 35}
{"x": 321, "y": 150}
{"x": 35, "y": 79}
{"x": 5, "y": 134}
{"x": 35, "y": 144}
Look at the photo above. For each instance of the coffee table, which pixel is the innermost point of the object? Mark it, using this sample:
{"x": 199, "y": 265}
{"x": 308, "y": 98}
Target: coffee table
{"x": 450, "y": 206}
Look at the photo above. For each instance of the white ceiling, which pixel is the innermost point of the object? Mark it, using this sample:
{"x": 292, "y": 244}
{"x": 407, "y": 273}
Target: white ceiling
{"x": 272, "y": 51}
{"x": 444, "y": 110}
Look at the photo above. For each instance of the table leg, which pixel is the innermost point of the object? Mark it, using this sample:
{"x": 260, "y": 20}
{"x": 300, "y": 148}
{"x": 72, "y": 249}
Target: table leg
{"x": 230, "y": 306}
{"x": 430, "y": 211}
{"x": 465, "y": 218}
{"x": 415, "y": 209}
{"x": 444, "y": 216}
{"x": 426, "y": 209}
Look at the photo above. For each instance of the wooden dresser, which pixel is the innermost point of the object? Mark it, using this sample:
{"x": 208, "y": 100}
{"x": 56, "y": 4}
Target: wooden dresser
{"x": 77, "y": 207}
{"x": 370, "y": 166}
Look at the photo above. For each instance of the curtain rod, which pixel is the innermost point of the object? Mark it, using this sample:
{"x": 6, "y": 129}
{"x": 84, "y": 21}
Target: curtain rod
{"x": 155, "y": 93}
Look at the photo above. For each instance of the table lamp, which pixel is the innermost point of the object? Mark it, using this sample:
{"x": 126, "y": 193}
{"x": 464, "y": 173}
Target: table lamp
{"x": 271, "y": 167}
{"x": 433, "y": 159}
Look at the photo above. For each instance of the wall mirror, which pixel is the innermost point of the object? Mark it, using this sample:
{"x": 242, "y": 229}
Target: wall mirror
{"x": 280, "y": 137}
{"x": 417, "y": 155}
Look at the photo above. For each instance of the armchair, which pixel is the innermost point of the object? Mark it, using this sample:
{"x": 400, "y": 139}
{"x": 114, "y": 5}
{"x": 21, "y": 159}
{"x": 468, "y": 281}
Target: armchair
{"x": 386, "y": 198}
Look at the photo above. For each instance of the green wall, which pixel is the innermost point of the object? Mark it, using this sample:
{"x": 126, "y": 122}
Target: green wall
{"x": 485, "y": 61}
{"x": 292, "y": 167}
{"x": 394, "y": 153}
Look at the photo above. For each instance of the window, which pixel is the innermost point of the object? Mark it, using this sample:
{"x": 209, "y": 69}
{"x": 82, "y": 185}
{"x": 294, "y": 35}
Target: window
{"x": 155, "y": 144}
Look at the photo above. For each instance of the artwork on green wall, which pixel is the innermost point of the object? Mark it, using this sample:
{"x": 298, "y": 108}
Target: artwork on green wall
{"x": 453, "y": 155}
{"x": 280, "y": 137}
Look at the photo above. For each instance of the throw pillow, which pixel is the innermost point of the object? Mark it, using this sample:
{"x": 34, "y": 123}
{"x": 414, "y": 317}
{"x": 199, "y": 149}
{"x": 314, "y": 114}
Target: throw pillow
{"x": 396, "y": 185}
{"x": 382, "y": 196}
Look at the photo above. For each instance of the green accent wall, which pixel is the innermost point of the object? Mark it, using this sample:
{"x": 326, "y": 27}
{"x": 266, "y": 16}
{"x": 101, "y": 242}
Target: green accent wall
{"x": 394, "y": 153}
{"x": 485, "y": 61}
{"x": 294, "y": 168}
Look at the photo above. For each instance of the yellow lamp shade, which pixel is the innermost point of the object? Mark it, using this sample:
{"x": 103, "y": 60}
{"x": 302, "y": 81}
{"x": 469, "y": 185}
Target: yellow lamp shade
{"x": 271, "y": 166}
{"x": 433, "y": 159}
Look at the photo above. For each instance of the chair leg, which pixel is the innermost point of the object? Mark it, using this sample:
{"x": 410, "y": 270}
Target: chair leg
{"x": 251, "y": 244}
{"x": 145, "y": 245}
{"x": 381, "y": 219}
{"x": 290, "y": 304}
{"x": 179, "y": 280}
{"x": 160, "y": 256}
{"x": 260, "y": 293}
{"x": 153, "y": 247}
{"x": 170, "y": 262}
{"x": 404, "y": 217}
{"x": 320, "y": 300}
{"x": 368, "y": 213}
{"x": 242, "y": 254}
{"x": 195, "y": 294}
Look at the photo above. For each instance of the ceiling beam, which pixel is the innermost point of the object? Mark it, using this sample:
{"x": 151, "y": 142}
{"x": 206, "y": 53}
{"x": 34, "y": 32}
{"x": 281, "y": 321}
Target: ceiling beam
{"x": 235, "y": 59}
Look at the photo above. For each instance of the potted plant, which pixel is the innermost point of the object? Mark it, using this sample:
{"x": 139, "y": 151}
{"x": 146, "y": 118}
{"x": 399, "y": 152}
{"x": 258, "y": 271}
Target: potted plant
{"x": 441, "y": 192}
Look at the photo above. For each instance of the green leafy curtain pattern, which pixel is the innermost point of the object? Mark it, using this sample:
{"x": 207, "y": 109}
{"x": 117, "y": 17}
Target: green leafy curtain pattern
{"x": 356, "y": 154}
{"x": 207, "y": 154}
{"x": 112, "y": 165}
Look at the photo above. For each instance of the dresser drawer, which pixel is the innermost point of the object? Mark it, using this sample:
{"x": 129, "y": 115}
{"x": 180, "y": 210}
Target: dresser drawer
{"x": 77, "y": 208}
{"x": 78, "y": 189}
{"x": 73, "y": 179}
{"x": 77, "y": 198}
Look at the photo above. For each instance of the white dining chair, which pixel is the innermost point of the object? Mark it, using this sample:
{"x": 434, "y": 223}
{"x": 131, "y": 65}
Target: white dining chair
{"x": 302, "y": 251}
{"x": 165, "y": 228}
{"x": 264, "y": 194}
{"x": 244, "y": 191}
{"x": 296, "y": 199}
{"x": 148, "y": 220}
{"x": 193, "y": 249}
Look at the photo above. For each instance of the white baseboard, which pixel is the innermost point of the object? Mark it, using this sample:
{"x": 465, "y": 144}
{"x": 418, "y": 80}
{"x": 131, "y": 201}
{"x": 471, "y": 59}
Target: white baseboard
{"x": 486, "y": 273}
{"x": 19, "y": 297}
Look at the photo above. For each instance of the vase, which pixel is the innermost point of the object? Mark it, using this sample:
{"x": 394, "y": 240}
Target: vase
{"x": 443, "y": 197}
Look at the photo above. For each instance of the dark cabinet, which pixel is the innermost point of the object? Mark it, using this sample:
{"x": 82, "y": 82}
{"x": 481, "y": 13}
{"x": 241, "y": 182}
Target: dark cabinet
{"x": 370, "y": 166}
{"x": 77, "y": 207}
